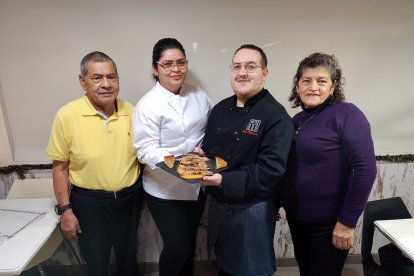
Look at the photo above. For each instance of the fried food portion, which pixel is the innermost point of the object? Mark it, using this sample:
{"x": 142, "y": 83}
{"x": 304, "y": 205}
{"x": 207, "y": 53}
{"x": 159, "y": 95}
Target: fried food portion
{"x": 169, "y": 160}
{"x": 193, "y": 166}
{"x": 220, "y": 163}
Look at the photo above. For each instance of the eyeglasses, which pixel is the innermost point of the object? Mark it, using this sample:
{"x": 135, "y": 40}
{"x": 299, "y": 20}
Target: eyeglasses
{"x": 249, "y": 67}
{"x": 169, "y": 65}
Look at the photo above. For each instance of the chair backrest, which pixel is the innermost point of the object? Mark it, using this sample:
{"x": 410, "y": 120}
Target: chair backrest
{"x": 32, "y": 188}
{"x": 383, "y": 209}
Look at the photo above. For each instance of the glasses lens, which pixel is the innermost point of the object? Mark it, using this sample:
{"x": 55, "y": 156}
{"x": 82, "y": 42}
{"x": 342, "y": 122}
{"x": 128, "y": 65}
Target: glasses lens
{"x": 169, "y": 65}
{"x": 249, "y": 67}
{"x": 181, "y": 63}
{"x": 235, "y": 67}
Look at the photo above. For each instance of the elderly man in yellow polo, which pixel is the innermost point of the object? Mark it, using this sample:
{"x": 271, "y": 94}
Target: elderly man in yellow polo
{"x": 95, "y": 170}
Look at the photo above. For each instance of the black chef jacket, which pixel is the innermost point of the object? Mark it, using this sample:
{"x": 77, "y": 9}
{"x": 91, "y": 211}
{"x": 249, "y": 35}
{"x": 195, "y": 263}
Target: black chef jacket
{"x": 255, "y": 141}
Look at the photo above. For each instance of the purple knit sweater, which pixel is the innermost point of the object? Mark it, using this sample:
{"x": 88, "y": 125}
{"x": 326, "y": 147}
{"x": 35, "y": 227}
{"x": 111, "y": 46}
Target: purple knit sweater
{"x": 332, "y": 165}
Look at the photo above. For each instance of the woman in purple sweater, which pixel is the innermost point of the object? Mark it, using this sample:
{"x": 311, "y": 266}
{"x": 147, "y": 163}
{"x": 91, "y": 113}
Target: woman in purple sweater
{"x": 331, "y": 168}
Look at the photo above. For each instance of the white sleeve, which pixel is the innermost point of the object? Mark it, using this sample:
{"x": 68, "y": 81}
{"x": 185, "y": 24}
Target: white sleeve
{"x": 210, "y": 103}
{"x": 147, "y": 136}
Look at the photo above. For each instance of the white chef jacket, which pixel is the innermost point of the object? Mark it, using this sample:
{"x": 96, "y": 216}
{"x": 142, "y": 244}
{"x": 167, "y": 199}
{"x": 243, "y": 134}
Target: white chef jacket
{"x": 164, "y": 124}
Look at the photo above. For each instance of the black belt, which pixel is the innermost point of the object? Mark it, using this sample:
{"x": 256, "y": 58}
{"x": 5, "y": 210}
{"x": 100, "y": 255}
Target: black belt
{"x": 105, "y": 194}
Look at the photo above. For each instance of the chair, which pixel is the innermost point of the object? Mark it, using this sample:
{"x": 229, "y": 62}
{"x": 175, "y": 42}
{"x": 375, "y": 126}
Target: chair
{"x": 40, "y": 188}
{"x": 384, "y": 209}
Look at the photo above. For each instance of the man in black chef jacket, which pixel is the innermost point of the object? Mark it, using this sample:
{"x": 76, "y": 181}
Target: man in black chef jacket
{"x": 253, "y": 133}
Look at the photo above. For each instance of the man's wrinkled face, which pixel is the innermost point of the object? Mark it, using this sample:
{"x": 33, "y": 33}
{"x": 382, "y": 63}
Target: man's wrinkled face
{"x": 101, "y": 84}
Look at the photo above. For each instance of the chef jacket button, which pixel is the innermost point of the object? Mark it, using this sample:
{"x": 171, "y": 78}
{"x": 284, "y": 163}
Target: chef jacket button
{"x": 211, "y": 151}
{"x": 237, "y": 139}
{"x": 247, "y": 110}
{"x": 228, "y": 157}
{"x": 236, "y": 132}
{"x": 218, "y": 129}
{"x": 231, "y": 108}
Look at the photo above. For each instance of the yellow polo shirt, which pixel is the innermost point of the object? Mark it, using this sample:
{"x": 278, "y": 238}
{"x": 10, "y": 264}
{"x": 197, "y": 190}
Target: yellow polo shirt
{"x": 99, "y": 151}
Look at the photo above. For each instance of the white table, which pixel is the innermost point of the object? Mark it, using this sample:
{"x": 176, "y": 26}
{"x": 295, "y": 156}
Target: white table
{"x": 400, "y": 232}
{"x": 17, "y": 251}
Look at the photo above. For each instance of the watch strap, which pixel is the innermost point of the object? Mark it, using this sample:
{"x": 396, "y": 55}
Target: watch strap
{"x": 60, "y": 209}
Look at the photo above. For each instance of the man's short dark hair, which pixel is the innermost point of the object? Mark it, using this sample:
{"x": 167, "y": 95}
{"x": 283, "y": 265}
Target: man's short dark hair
{"x": 256, "y": 48}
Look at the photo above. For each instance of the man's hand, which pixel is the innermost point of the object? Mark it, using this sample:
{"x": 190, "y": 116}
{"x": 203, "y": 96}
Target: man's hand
{"x": 343, "y": 236}
{"x": 70, "y": 225}
{"x": 214, "y": 180}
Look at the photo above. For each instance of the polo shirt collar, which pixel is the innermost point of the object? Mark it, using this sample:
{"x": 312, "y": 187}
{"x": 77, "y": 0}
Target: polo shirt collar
{"x": 87, "y": 108}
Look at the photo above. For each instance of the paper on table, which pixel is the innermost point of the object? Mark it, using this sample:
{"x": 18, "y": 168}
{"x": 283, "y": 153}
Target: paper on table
{"x": 14, "y": 220}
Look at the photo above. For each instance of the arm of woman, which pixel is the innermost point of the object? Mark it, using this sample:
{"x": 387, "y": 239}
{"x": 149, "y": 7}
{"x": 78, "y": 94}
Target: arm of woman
{"x": 146, "y": 126}
{"x": 359, "y": 151}
{"x": 343, "y": 236}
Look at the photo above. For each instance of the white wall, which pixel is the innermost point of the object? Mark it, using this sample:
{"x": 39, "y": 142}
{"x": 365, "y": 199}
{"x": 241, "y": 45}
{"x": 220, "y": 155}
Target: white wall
{"x": 42, "y": 43}
{"x": 6, "y": 146}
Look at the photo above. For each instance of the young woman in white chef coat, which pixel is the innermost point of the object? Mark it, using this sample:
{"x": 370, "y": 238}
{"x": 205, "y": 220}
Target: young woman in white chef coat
{"x": 171, "y": 119}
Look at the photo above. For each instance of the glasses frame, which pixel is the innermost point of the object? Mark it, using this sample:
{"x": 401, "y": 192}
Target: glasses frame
{"x": 174, "y": 63}
{"x": 245, "y": 66}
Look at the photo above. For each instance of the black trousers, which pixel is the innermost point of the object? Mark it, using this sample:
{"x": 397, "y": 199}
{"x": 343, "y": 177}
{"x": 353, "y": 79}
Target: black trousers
{"x": 314, "y": 251}
{"x": 177, "y": 221}
{"x": 108, "y": 223}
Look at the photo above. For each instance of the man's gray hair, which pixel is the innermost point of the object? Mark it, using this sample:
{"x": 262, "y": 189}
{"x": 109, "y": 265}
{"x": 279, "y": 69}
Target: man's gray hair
{"x": 94, "y": 57}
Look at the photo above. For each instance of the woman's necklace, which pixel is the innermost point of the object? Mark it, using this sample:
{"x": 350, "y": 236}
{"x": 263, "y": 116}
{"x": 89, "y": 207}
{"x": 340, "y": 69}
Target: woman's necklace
{"x": 307, "y": 121}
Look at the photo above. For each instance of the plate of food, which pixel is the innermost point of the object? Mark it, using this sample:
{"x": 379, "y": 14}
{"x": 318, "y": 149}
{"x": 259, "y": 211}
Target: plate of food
{"x": 191, "y": 166}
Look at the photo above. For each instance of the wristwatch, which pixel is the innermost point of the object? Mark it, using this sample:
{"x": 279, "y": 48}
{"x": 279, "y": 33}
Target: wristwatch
{"x": 61, "y": 209}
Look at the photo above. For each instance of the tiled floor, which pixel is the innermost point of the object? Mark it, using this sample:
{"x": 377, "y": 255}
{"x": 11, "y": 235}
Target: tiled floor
{"x": 349, "y": 270}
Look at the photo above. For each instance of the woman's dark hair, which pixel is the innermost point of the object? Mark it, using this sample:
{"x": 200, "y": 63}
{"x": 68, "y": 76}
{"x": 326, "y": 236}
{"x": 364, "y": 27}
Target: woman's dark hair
{"x": 161, "y": 46}
{"x": 330, "y": 63}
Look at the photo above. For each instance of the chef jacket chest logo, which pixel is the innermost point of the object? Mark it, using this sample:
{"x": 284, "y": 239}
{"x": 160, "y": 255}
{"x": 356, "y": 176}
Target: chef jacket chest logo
{"x": 252, "y": 127}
